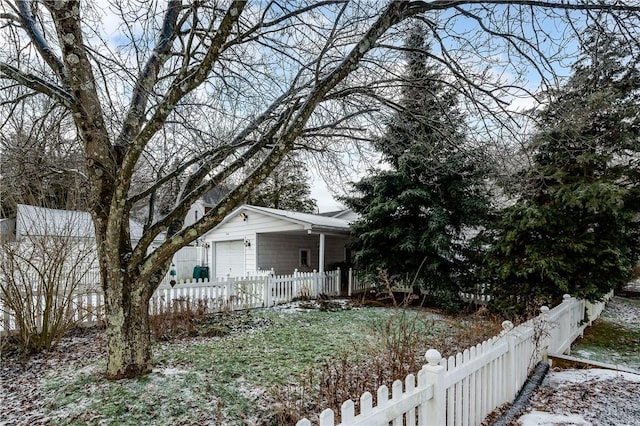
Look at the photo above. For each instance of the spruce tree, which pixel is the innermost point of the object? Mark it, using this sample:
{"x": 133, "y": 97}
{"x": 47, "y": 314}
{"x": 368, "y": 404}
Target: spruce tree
{"x": 287, "y": 188}
{"x": 414, "y": 215}
{"x": 575, "y": 229}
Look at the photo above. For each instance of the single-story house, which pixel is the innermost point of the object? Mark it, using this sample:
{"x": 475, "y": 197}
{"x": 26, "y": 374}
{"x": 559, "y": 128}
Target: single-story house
{"x": 252, "y": 239}
{"x": 248, "y": 241}
{"x": 40, "y": 221}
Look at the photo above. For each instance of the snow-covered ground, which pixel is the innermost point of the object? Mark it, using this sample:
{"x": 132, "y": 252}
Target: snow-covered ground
{"x": 585, "y": 397}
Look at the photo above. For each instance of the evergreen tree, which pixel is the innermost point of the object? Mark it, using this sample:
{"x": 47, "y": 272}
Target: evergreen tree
{"x": 287, "y": 188}
{"x": 416, "y": 214}
{"x": 576, "y": 230}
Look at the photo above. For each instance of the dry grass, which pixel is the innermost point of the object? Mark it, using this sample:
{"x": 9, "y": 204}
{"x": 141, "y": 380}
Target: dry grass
{"x": 396, "y": 350}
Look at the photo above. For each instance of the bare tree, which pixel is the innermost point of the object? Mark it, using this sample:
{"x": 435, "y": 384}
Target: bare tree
{"x": 42, "y": 161}
{"x": 194, "y": 90}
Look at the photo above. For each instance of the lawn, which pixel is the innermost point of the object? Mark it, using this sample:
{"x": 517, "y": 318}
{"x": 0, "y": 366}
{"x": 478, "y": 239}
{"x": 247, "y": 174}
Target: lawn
{"x": 247, "y": 373}
{"x": 615, "y": 337}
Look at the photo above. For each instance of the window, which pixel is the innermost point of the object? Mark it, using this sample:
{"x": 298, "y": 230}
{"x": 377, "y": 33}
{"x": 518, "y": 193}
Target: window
{"x": 305, "y": 257}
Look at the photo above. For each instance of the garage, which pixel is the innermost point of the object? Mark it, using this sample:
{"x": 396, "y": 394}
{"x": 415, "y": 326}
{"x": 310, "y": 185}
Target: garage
{"x": 229, "y": 258}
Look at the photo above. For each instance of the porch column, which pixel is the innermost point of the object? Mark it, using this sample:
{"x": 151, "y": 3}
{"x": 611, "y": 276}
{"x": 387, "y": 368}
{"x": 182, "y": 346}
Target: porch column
{"x": 321, "y": 255}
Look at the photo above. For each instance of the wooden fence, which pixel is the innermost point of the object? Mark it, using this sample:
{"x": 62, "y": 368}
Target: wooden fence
{"x": 464, "y": 389}
{"x": 219, "y": 295}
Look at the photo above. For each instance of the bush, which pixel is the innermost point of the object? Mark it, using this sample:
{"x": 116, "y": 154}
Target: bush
{"x": 41, "y": 279}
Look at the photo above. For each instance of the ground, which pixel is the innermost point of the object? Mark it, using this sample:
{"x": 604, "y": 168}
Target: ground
{"x": 595, "y": 396}
{"x": 236, "y": 369}
{"x": 65, "y": 386}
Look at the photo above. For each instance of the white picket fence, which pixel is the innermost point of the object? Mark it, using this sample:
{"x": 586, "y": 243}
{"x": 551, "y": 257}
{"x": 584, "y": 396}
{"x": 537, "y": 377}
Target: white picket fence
{"x": 219, "y": 295}
{"x": 464, "y": 389}
{"x": 478, "y": 296}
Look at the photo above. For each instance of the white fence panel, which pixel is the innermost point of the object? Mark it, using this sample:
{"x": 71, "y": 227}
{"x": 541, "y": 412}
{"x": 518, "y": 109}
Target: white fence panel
{"x": 473, "y": 383}
{"x": 225, "y": 294}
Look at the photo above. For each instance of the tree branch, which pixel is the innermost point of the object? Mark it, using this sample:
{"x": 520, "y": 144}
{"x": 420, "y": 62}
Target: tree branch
{"x": 29, "y": 25}
{"x": 39, "y": 85}
{"x": 182, "y": 85}
{"x": 148, "y": 77}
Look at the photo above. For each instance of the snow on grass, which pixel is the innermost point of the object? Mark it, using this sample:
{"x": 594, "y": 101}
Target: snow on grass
{"x": 623, "y": 311}
{"x": 169, "y": 371}
{"x": 204, "y": 380}
{"x": 223, "y": 379}
{"x": 615, "y": 337}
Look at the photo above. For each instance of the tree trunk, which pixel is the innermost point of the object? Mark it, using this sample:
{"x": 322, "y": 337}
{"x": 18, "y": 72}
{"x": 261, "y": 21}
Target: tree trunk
{"x": 129, "y": 342}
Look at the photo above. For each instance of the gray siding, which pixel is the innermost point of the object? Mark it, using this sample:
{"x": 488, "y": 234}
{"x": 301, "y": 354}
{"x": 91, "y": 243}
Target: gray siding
{"x": 282, "y": 251}
{"x": 238, "y": 229}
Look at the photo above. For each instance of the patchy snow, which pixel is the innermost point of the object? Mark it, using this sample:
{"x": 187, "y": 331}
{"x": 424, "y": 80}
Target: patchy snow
{"x": 570, "y": 377}
{"x": 169, "y": 371}
{"x": 540, "y": 418}
{"x": 585, "y": 397}
{"x": 308, "y": 305}
{"x": 623, "y": 311}
{"x": 591, "y": 396}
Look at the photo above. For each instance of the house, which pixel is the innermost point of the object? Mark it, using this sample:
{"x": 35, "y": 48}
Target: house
{"x": 201, "y": 206}
{"x": 45, "y": 222}
{"x": 248, "y": 241}
{"x": 7, "y": 230}
{"x": 253, "y": 239}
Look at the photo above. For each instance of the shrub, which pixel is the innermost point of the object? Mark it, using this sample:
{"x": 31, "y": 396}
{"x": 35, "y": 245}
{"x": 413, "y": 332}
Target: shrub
{"x": 41, "y": 280}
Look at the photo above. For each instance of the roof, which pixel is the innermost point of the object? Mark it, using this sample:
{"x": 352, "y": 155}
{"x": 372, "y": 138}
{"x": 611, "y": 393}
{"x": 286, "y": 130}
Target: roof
{"x": 213, "y": 196}
{"x": 311, "y": 222}
{"x": 32, "y": 220}
{"x": 347, "y": 214}
{"x": 332, "y": 213}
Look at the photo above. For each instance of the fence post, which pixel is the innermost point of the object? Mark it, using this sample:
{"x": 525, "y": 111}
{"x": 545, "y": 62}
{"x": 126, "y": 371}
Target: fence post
{"x": 590, "y": 310}
{"x": 350, "y": 283}
{"x": 568, "y": 322}
{"x": 434, "y": 412}
{"x": 510, "y": 369}
{"x": 338, "y": 281}
{"x": 267, "y": 291}
{"x": 316, "y": 283}
{"x": 545, "y": 334}
{"x": 230, "y": 291}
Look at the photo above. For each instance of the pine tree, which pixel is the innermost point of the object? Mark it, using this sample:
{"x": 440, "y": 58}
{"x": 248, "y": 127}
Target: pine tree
{"x": 576, "y": 230}
{"x": 415, "y": 215}
{"x": 287, "y": 188}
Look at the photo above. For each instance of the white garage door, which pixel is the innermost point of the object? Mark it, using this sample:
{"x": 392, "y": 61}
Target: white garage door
{"x": 230, "y": 258}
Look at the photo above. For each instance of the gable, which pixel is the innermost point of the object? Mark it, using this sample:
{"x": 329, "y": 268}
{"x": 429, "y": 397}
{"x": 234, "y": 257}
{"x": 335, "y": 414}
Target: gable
{"x": 238, "y": 226}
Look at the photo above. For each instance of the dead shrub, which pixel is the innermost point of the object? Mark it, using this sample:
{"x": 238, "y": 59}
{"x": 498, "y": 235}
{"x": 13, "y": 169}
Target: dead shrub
{"x": 42, "y": 281}
{"x": 177, "y": 317}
